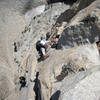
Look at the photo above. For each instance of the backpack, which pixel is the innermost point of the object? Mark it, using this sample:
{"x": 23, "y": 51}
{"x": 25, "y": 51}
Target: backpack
{"x": 39, "y": 45}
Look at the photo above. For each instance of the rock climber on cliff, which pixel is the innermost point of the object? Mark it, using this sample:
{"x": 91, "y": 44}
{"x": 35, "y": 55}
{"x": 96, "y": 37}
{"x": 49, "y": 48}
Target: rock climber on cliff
{"x": 42, "y": 46}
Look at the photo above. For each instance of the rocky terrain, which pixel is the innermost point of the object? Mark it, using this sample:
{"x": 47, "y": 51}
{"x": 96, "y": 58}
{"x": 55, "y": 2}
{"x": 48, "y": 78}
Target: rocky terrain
{"x": 71, "y": 72}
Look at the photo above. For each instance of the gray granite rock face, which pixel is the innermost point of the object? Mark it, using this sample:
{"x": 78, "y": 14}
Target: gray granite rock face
{"x": 22, "y": 22}
{"x": 86, "y": 89}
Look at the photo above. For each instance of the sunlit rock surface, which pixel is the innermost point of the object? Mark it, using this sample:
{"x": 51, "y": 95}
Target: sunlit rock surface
{"x": 71, "y": 72}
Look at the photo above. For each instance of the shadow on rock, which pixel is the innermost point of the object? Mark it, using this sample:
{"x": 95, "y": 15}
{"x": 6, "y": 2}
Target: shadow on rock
{"x": 37, "y": 87}
{"x": 28, "y": 6}
{"x": 56, "y": 95}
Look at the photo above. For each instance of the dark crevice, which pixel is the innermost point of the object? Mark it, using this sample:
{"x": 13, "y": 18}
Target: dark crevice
{"x": 15, "y": 47}
{"x": 70, "y": 13}
{"x": 22, "y": 81}
{"x": 64, "y": 1}
{"x": 66, "y": 69}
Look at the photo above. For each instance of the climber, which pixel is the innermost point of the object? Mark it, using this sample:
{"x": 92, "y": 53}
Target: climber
{"x": 41, "y": 47}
